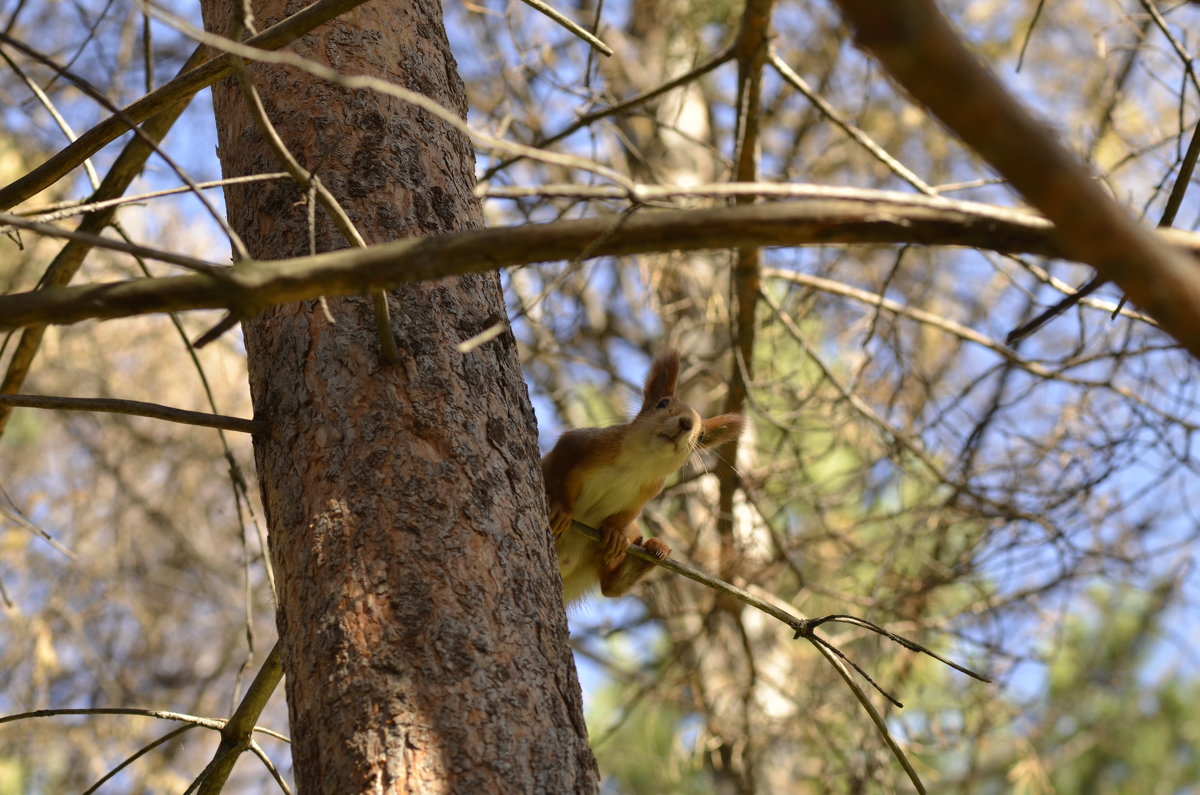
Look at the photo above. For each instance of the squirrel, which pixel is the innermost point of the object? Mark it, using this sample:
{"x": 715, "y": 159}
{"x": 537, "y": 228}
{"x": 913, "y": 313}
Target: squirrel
{"x": 602, "y": 477}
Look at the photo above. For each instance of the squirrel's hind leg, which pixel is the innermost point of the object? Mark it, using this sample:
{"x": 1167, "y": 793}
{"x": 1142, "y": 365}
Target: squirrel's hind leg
{"x": 620, "y": 574}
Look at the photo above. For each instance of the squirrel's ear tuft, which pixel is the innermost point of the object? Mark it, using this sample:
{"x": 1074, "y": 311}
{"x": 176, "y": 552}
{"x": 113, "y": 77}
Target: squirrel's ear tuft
{"x": 661, "y": 380}
{"x": 719, "y": 430}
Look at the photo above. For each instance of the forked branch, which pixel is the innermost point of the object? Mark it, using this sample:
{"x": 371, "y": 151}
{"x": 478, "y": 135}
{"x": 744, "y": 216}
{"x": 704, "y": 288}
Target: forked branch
{"x": 806, "y": 628}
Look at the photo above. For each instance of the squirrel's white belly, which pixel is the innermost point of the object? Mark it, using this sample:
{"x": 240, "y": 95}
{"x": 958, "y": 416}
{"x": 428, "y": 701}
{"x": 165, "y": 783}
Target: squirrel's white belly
{"x": 617, "y": 487}
{"x": 608, "y": 491}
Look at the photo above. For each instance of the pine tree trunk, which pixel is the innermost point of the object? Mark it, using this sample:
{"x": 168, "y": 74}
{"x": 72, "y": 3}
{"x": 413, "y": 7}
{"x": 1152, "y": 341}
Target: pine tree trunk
{"x": 423, "y": 641}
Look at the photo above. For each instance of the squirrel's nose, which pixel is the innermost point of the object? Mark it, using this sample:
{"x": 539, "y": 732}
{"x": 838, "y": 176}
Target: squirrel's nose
{"x": 686, "y": 423}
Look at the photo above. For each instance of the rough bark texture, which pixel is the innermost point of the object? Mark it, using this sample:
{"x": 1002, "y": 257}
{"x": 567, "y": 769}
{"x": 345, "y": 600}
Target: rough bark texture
{"x": 422, "y": 639}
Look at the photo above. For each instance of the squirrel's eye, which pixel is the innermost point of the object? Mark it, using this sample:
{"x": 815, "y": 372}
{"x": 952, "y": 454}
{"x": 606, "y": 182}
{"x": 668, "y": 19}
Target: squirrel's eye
{"x": 662, "y": 404}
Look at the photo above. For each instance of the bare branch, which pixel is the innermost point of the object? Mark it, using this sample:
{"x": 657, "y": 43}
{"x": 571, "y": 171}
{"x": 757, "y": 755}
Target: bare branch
{"x": 882, "y": 218}
{"x": 924, "y": 54}
{"x": 569, "y": 24}
{"x": 136, "y": 755}
{"x": 805, "y": 628}
{"x": 8, "y": 220}
{"x": 237, "y": 733}
{"x": 857, "y": 135}
{"x": 68, "y": 209}
{"x": 620, "y": 107}
{"x": 172, "y": 95}
{"x": 135, "y": 408}
{"x": 449, "y": 117}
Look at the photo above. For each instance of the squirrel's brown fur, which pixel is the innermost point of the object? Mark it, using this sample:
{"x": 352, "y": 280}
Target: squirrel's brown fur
{"x": 602, "y": 477}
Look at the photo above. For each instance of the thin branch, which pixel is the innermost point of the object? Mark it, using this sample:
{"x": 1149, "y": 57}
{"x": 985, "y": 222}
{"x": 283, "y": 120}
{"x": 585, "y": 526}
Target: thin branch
{"x": 10, "y": 511}
{"x": 208, "y": 723}
{"x": 1054, "y": 310}
{"x": 857, "y": 135}
{"x": 969, "y": 334}
{"x": 913, "y": 445}
{"x": 237, "y": 734}
{"x": 46, "y": 103}
{"x": 803, "y": 627}
{"x": 569, "y": 24}
{"x": 68, "y": 209}
{"x": 135, "y": 408}
{"x": 1185, "y": 57}
{"x": 1183, "y": 179}
{"x": 147, "y": 138}
{"x": 197, "y": 74}
{"x": 624, "y": 105}
{"x": 907, "y": 643}
{"x": 241, "y": 498}
{"x": 835, "y": 660}
{"x": 128, "y": 165}
{"x": 878, "y": 301}
{"x": 353, "y": 82}
{"x": 8, "y": 220}
{"x": 806, "y": 628}
{"x": 257, "y": 750}
{"x": 136, "y": 755}
{"x": 1121, "y": 78}
{"x": 1037, "y": 13}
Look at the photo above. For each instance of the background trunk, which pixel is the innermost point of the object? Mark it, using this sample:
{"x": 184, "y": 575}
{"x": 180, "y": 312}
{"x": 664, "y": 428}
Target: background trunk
{"x": 424, "y": 642}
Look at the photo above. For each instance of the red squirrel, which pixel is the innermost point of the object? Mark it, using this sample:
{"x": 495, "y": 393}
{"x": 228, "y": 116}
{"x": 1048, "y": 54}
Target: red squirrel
{"x": 602, "y": 477}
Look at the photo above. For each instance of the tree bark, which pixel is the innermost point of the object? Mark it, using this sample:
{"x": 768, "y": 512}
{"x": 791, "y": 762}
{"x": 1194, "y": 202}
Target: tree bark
{"x": 423, "y": 638}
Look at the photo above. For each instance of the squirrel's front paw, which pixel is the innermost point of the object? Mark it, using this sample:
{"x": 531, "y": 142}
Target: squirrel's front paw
{"x": 655, "y": 547}
{"x": 614, "y": 543}
{"x": 560, "y": 520}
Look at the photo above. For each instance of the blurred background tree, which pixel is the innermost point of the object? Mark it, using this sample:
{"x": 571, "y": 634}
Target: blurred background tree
{"x": 1026, "y": 512}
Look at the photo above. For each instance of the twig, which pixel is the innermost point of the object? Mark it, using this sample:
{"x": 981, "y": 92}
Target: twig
{"x": 449, "y": 117}
{"x": 49, "y": 230}
{"x": 632, "y": 102}
{"x": 925, "y": 54}
{"x": 1037, "y": 13}
{"x": 67, "y": 209}
{"x": 806, "y": 628}
{"x": 803, "y": 627}
{"x": 128, "y": 165}
{"x": 48, "y": 104}
{"x": 855, "y": 133}
{"x": 569, "y": 24}
{"x": 836, "y": 660}
{"x": 237, "y": 733}
{"x": 169, "y": 97}
{"x": 147, "y": 138}
{"x": 10, "y": 511}
{"x": 1187, "y": 167}
{"x": 1060, "y": 306}
{"x": 138, "y": 754}
{"x": 135, "y": 408}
